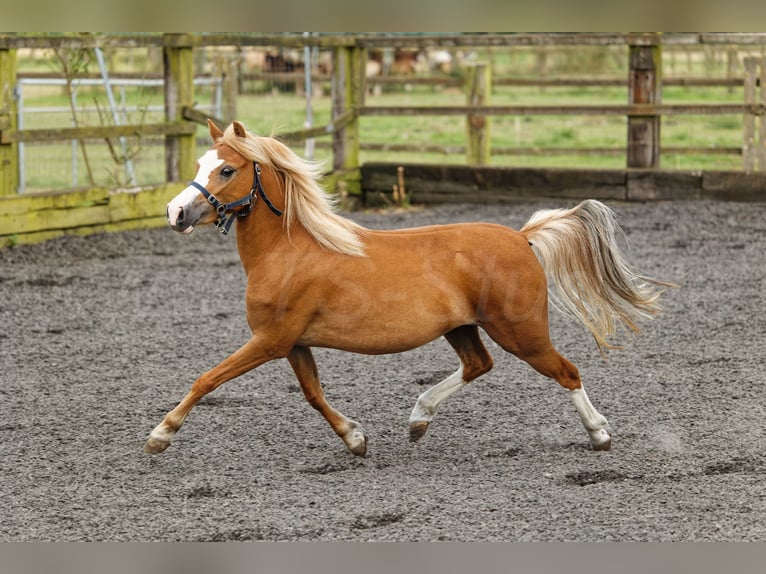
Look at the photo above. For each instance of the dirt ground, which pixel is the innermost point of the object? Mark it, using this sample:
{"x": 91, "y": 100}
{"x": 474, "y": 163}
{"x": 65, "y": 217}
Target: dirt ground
{"x": 100, "y": 336}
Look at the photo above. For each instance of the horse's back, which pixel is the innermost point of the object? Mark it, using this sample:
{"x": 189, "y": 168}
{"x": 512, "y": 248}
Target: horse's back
{"x": 468, "y": 249}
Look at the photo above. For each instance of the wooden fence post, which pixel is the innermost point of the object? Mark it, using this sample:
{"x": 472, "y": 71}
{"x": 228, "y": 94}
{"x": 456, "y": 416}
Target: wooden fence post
{"x": 227, "y": 68}
{"x": 754, "y": 127}
{"x": 478, "y": 87}
{"x": 644, "y": 87}
{"x": 179, "y": 92}
{"x": 9, "y": 158}
{"x": 348, "y": 89}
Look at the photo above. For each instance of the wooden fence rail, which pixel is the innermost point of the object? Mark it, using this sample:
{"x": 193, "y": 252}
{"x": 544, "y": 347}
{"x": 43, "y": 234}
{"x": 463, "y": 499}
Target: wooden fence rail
{"x": 97, "y": 132}
{"x": 754, "y": 109}
{"x": 454, "y": 82}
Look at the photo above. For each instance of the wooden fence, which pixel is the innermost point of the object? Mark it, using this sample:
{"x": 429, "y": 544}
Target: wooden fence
{"x": 31, "y": 217}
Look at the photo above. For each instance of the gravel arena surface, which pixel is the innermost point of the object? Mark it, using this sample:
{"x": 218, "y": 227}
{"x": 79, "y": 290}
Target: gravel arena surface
{"x": 102, "y": 335}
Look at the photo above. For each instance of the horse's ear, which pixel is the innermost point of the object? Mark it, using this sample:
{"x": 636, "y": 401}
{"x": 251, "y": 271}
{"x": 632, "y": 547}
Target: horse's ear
{"x": 215, "y": 131}
{"x": 239, "y": 129}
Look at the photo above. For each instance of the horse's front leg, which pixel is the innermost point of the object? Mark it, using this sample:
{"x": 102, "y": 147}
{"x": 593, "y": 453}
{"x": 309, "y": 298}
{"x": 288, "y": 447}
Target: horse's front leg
{"x": 251, "y": 355}
{"x": 302, "y": 361}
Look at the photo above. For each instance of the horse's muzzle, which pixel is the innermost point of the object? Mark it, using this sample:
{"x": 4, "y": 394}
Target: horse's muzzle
{"x": 177, "y": 219}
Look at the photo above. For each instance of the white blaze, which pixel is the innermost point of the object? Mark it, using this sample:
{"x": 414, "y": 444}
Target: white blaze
{"x": 208, "y": 163}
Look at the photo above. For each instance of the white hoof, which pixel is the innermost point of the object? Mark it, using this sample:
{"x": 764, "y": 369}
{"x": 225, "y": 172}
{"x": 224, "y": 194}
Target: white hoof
{"x": 356, "y": 439}
{"x": 600, "y": 439}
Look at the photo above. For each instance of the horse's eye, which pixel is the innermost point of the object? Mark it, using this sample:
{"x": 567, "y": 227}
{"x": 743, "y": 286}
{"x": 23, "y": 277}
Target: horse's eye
{"x": 227, "y": 171}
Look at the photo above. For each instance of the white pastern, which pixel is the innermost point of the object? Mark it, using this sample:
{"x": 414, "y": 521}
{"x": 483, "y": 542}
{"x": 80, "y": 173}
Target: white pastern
{"x": 162, "y": 433}
{"x": 428, "y": 402}
{"x": 595, "y": 423}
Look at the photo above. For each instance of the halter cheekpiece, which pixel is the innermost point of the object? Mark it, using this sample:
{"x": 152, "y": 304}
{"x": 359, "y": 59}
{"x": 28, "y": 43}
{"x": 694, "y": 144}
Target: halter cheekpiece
{"x": 224, "y": 210}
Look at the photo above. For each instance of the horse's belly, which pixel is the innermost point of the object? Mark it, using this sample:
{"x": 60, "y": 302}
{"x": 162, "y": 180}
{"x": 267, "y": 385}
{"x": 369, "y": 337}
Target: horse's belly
{"x": 377, "y": 326}
{"x": 372, "y": 341}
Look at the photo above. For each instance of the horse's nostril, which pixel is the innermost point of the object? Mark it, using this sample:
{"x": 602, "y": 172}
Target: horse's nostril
{"x": 180, "y": 214}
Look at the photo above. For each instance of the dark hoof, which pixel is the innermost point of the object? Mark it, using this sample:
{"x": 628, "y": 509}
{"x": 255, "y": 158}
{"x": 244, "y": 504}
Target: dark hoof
{"x": 604, "y": 446}
{"x": 154, "y": 446}
{"x": 417, "y": 430}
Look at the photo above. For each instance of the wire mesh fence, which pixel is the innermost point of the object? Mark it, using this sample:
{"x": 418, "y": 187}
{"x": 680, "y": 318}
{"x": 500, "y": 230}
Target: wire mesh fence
{"x": 130, "y": 161}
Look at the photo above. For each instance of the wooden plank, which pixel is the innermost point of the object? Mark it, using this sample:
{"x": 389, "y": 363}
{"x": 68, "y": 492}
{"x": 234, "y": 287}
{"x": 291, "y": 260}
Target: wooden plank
{"x": 194, "y": 115}
{"x": 336, "y": 124}
{"x": 297, "y": 40}
{"x": 329, "y": 40}
{"x": 537, "y": 151}
{"x": 151, "y": 203}
{"x": 9, "y": 167}
{"x": 98, "y": 132}
{"x": 449, "y": 81}
{"x": 80, "y": 41}
{"x": 595, "y": 82}
{"x": 230, "y": 88}
{"x": 644, "y": 88}
{"x": 348, "y": 93}
{"x": 48, "y": 219}
{"x": 178, "y": 67}
{"x": 429, "y": 183}
{"x": 440, "y": 183}
{"x": 281, "y": 77}
{"x": 525, "y": 39}
{"x": 734, "y": 186}
{"x": 748, "y": 122}
{"x": 478, "y": 87}
{"x": 652, "y": 185}
{"x": 23, "y": 203}
{"x": 733, "y": 38}
{"x": 39, "y": 236}
{"x": 38, "y": 214}
{"x": 553, "y": 110}
{"x": 761, "y": 143}
{"x": 341, "y": 100}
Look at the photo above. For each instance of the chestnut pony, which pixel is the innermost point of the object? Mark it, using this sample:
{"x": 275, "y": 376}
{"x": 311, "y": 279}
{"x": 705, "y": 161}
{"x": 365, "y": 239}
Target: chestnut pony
{"x": 317, "y": 279}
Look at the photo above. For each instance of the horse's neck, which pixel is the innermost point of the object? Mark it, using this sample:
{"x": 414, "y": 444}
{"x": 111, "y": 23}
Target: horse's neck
{"x": 262, "y": 235}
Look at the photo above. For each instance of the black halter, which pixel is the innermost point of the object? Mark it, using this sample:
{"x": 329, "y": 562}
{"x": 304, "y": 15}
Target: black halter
{"x": 225, "y": 217}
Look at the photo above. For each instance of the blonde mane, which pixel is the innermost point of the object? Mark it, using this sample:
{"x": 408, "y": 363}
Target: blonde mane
{"x": 305, "y": 200}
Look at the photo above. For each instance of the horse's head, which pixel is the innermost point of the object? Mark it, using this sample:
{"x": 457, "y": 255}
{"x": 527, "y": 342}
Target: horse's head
{"x": 223, "y": 186}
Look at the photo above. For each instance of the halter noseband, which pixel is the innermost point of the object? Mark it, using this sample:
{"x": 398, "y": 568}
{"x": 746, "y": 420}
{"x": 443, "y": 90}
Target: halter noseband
{"x": 223, "y": 223}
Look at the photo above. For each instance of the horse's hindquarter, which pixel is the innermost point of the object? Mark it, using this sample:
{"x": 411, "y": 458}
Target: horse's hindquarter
{"x": 413, "y": 286}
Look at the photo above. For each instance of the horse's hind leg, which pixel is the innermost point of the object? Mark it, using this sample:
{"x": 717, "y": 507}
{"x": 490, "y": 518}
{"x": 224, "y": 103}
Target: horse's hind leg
{"x": 302, "y": 361}
{"x": 475, "y": 361}
{"x": 551, "y": 364}
{"x": 535, "y": 348}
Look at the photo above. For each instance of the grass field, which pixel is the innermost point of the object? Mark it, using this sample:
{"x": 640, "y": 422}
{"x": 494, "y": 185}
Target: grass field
{"x": 266, "y": 110}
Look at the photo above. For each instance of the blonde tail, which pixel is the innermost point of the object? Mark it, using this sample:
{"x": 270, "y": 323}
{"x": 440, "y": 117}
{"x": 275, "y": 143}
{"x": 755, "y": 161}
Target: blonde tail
{"x": 579, "y": 252}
